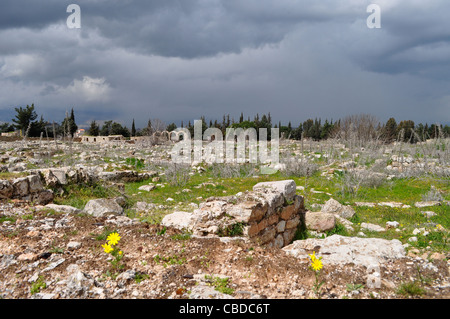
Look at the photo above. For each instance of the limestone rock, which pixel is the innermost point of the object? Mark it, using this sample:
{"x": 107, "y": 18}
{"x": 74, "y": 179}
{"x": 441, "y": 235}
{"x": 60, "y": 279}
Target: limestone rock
{"x": 179, "y": 220}
{"x": 319, "y": 221}
{"x": 6, "y": 189}
{"x": 334, "y": 207}
{"x": 286, "y": 188}
{"x": 101, "y": 207}
{"x": 63, "y": 209}
{"x": 147, "y": 188}
{"x": 427, "y": 204}
{"x": 337, "y": 249}
{"x": 372, "y": 227}
{"x": 21, "y": 187}
{"x": 35, "y": 184}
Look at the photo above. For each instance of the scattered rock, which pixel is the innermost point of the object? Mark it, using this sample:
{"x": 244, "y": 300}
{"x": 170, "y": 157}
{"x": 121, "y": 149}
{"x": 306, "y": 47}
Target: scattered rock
{"x": 393, "y": 224}
{"x": 372, "y": 227}
{"x": 332, "y": 206}
{"x": 101, "y": 207}
{"x": 338, "y": 249}
{"x": 66, "y": 209}
{"x": 427, "y": 204}
{"x": 73, "y": 245}
{"x": 319, "y": 221}
{"x": 147, "y": 188}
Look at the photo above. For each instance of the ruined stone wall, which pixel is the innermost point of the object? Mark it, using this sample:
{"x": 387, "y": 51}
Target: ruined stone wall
{"x": 269, "y": 215}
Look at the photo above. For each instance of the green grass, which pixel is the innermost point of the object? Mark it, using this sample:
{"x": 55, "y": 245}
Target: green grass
{"x": 411, "y": 289}
{"x": 78, "y": 195}
{"x": 38, "y": 285}
{"x": 220, "y": 284}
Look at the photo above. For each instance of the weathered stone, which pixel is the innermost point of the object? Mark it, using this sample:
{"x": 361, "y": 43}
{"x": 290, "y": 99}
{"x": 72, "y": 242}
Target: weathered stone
{"x": 6, "y": 189}
{"x": 73, "y": 245}
{"x": 43, "y": 197}
{"x": 391, "y": 204}
{"x": 179, "y": 220}
{"x": 21, "y": 187}
{"x": 101, "y": 207}
{"x": 293, "y": 222}
{"x": 147, "y": 188}
{"x": 27, "y": 257}
{"x": 288, "y": 235}
{"x": 35, "y": 184}
{"x": 334, "y": 207}
{"x": 60, "y": 174}
{"x": 281, "y": 226}
{"x": 267, "y": 235}
{"x": 49, "y": 178}
{"x": 319, "y": 221}
{"x": 372, "y": 227}
{"x": 338, "y": 249}
{"x": 287, "y": 212}
{"x": 427, "y": 204}
{"x": 287, "y": 188}
{"x": 279, "y": 241}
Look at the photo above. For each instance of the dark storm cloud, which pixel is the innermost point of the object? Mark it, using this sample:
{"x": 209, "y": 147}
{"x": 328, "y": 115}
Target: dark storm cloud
{"x": 178, "y": 60}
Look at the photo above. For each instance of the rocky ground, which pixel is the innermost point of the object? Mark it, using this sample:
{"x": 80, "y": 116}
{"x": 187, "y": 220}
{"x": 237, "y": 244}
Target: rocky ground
{"x": 56, "y": 252}
{"x": 60, "y": 256}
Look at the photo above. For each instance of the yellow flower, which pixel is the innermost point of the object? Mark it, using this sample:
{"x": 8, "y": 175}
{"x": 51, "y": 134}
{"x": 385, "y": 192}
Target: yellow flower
{"x": 316, "y": 264}
{"x": 113, "y": 238}
{"x": 120, "y": 252}
{"x": 107, "y": 248}
{"x": 313, "y": 256}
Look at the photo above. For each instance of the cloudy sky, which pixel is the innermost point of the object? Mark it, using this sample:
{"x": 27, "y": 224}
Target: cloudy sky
{"x": 177, "y": 60}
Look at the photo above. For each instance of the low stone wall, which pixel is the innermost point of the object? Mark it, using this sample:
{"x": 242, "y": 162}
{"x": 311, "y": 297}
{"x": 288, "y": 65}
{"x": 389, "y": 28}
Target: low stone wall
{"x": 269, "y": 215}
{"x": 26, "y": 188}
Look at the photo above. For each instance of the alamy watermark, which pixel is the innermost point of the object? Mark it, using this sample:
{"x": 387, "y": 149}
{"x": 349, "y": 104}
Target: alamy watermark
{"x": 374, "y": 19}
{"x": 238, "y": 146}
{"x": 74, "y": 19}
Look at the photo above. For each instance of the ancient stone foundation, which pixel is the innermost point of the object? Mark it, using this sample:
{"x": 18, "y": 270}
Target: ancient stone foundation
{"x": 269, "y": 215}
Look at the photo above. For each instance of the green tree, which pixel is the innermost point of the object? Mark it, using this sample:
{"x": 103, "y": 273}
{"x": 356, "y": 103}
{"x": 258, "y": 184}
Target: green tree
{"x": 133, "y": 129}
{"x": 94, "y": 129}
{"x": 297, "y": 132}
{"x": 326, "y": 130}
{"x": 37, "y": 127}
{"x": 171, "y": 127}
{"x": 69, "y": 125}
{"x": 407, "y": 127}
{"x": 308, "y": 127}
{"x": 390, "y": 130}
{"x": 118, "y": 129}
{"x": 24, "y": 118}
{"x": 6, "y": 127}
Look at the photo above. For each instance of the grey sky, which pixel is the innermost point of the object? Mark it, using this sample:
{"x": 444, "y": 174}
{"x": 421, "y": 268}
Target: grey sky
{"x": 178, "y": 60}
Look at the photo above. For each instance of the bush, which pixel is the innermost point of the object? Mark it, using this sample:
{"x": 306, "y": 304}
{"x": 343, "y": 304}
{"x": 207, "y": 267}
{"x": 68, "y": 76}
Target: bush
{"x": 177, "y": 174}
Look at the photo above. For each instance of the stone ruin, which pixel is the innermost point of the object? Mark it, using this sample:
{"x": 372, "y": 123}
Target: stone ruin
{"x": 269, "y": 215}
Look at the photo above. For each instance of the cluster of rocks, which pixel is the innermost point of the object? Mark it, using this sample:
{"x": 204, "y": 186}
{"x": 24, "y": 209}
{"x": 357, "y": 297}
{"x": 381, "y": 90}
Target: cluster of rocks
{"x": 37, "y": 187}
{"x": 52, "y": 177}
{"x": 269, "y": 215}
{"x": 26, "y": 188}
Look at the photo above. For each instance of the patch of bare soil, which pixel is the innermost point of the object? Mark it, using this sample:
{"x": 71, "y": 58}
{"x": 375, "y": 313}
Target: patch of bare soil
{"x": 159, "y": 263}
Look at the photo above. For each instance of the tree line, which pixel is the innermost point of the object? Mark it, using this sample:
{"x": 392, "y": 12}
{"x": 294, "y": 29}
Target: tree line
{"x": 358, "y": 127}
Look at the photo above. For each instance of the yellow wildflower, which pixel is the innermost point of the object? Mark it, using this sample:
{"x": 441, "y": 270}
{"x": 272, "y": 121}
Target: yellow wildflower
{"x": 113, "y": 238}
{"x": 316, "y": 264}
{"x": 107, "y": 248}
